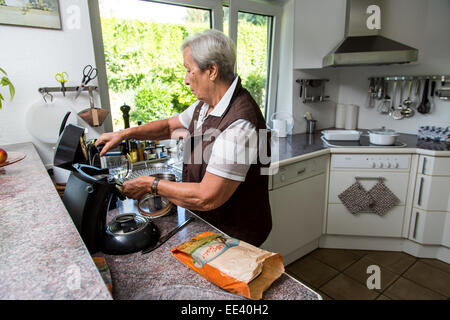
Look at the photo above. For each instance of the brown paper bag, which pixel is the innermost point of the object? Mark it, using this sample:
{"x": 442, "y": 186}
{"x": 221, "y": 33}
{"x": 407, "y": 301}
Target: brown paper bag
{"x": 231, "y": 264}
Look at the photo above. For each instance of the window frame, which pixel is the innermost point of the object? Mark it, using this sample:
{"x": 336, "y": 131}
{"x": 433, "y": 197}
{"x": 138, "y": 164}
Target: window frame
{"x": 216, "y": 7}
{"x": 275, "y": 11}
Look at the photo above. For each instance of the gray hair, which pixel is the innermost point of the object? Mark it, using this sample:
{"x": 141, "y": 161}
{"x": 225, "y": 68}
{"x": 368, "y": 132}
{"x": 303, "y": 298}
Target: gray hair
{"x": 212, "y": 46}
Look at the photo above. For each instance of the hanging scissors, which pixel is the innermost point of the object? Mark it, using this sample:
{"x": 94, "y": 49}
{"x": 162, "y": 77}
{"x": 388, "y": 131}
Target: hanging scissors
{"x": 62, "y": 78}
{"x": 89, "y": 74}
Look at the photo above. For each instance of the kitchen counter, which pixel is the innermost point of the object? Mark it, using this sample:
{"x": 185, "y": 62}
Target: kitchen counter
{"x": 42, "y": 255}
{"x": 304, "y": 146}
{"x": 159, "y": 275}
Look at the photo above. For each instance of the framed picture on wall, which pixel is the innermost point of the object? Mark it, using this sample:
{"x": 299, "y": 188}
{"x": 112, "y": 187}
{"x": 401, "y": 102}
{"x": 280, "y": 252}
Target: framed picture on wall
{"x": 31, "y": 13}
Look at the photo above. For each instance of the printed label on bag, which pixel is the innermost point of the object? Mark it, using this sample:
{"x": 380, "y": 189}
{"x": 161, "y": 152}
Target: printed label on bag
{"x": 212, "y": 250}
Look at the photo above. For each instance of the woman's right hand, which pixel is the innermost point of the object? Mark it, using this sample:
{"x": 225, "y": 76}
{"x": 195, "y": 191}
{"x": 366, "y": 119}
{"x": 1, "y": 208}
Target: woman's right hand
{"x": 110, "y": 140}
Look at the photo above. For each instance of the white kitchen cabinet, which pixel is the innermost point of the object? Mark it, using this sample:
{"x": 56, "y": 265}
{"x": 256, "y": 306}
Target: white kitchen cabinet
{"x": 432, "y": 193}
{"x": 430, "y": 216}
{"x": 319, "y": 27}
{"x": 429, "y": 227}
{"x": 342, "y": 222}
{"x": 345, "y": 170}
{"x": 297, "y": 201}
{"x": 434, "y": 166}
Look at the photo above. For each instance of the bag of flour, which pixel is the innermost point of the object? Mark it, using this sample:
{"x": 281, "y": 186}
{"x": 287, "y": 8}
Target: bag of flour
{"x": 231, "y": 264}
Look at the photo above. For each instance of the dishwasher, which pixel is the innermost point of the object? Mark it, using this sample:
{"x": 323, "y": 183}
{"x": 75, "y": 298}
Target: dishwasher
{"x": 297, "y": 200}
{"x": 367, "y": 169}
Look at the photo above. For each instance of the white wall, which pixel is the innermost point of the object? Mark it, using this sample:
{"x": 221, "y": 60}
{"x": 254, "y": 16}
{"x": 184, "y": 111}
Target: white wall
{"x": 32, "y": 57}
{"x": 421, "y": 24}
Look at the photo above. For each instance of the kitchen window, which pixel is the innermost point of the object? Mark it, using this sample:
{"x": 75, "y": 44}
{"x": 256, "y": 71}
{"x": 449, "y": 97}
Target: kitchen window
{"x": 140, "y": 73}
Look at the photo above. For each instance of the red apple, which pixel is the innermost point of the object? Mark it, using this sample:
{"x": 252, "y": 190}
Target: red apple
{"x": 3, "y": 155}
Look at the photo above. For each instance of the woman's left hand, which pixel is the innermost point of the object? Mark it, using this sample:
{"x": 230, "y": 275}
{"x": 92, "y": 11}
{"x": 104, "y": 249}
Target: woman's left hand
{"x": 138, "y": 187}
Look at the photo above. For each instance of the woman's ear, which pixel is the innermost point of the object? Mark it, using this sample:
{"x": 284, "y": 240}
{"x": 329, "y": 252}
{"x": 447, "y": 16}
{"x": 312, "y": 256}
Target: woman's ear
{"x": 213, "y": 71}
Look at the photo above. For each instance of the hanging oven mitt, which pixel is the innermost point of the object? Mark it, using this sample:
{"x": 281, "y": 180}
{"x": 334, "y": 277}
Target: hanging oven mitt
{"x": 356, "y": 198}
{"x": 383, "y": 198}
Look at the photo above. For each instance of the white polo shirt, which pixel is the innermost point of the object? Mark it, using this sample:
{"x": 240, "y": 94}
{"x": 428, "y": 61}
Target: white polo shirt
{"x": 232, "y": 152}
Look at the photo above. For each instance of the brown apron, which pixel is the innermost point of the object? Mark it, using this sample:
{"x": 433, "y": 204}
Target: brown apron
{"x": 246, "y": 215}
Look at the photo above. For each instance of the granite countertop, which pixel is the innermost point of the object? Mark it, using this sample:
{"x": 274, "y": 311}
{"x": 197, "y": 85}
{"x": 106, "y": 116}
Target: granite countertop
{"x": 42, "y": 255}
{"x": 303, "y": 146}
{"x": 159, "y": 275}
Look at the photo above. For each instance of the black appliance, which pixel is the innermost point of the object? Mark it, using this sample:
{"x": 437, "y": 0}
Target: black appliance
{"x": 91, "y": 192}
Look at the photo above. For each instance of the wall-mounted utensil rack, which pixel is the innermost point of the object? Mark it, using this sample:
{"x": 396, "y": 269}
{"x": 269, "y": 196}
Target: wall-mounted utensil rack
{"x": 442, "y": 78}
{"x": 313, "y": 90}
{"x": 442, "y": 93}
{"x": 46, "y": 91}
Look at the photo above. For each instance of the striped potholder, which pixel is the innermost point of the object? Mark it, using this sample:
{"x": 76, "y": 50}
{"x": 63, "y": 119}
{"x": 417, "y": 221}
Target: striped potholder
{"x": 356, "y": 198}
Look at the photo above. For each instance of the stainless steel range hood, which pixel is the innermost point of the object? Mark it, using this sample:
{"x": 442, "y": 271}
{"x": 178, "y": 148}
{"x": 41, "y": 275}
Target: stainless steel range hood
{"x": 362, "y": 46}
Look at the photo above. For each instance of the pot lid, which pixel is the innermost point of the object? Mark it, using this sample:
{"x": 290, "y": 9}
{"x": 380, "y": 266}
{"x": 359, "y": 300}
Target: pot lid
{"x": 127, "y": 224}
{"x": 384, "y": 131}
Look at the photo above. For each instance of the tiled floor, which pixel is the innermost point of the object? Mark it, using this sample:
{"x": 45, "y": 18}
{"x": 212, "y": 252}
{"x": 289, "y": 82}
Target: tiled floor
{"x": 340, "y": 274}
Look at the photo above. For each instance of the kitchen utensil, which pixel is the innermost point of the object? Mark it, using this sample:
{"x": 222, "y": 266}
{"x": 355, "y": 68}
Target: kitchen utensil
{"x": 433, "y": 88}
{"x": 93, "y": 116}
{"x": 396, "y": 114}
{"x": 287, "y": 117}
{"x": 384, "y": 105}
{"x": 128, "y": 233}
{"x": 167, "y": 236}
{"x": 62, "y": 78}
{"x": 154, "y": 206}
{"x": 425, "y": 104}
{"x": 43, "y": 119}
{"x": 408, "y": 111}
{"x": 341, "y": 135}
{"x": 279, "y": 126}
{"x": 89, "y": 74}
{"x": 311, "y": 126}
{"x": 408, "y": 100}
{"x": 371, "y": 94}
{"x": 380, "y": 89}
{"x": 383, "y": 136}
{"x": 13, "y": 157}
{"x": 394, "y": 95}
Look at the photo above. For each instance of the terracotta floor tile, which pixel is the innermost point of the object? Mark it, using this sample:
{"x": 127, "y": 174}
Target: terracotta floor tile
{"x": 397, "y": 262}
{"x": 429, "y": 277}
{"x": 345, "y": 288}
{"x": 437, "y": 264}
{"x": 339, "y": 259}
{"x": 358, "y": 272}
{"x": 404, "y": 289}
{"x": 311, "y": 271}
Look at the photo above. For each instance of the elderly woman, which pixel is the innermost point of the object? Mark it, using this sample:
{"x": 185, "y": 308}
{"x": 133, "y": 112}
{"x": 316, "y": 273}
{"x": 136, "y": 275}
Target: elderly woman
{"x": 232, "y": 195}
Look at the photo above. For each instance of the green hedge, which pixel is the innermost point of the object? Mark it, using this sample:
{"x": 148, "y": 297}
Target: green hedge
{"x": 146, "y": 58}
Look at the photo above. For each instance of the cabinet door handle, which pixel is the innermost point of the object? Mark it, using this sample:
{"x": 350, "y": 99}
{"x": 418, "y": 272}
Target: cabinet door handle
{"x": 423, "y": 165}
{"x": 415, "y": 225}
{"x": 299, "y": 172}
{"x": 419, "y": 200}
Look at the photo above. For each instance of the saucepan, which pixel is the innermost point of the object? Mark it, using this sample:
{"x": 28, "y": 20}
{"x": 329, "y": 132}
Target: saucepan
{"x": 383, "y": 136}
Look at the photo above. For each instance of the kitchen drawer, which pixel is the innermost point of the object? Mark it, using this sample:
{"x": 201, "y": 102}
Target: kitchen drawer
{"x": 428, "y": 227}
{"x": 397, "y": 182}
{"x": 434, "y": 166}
{"x": 341, "y": 222}
{"x": 432, "y": 193}
{"x": 298, "y": 171}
